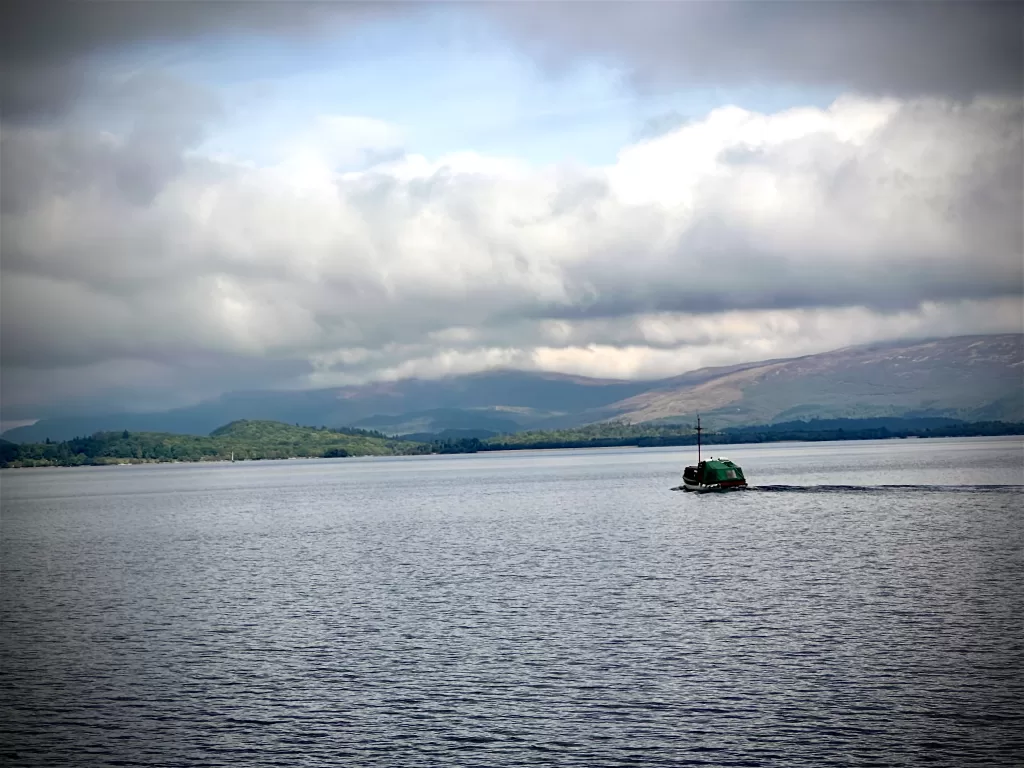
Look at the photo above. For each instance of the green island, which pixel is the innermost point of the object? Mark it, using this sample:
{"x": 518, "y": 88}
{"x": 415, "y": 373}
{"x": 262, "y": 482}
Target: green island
{"x": 256, "y": 440}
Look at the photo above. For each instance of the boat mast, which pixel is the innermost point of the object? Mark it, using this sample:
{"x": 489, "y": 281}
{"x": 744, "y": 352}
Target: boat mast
{"x": 699, "y": 430}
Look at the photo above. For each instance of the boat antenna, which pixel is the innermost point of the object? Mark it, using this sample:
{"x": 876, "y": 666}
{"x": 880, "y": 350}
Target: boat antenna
{"x": 699, "y": 430}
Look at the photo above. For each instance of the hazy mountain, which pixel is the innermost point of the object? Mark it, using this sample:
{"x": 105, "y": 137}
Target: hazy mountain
{"x": 971, "y": 378}
{"x": 494, "y": 400}
{"x": 967, "y": 377}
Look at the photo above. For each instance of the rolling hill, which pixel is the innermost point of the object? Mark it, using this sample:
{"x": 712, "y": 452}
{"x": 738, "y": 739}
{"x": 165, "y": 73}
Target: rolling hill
{"x": 974, "y": 378}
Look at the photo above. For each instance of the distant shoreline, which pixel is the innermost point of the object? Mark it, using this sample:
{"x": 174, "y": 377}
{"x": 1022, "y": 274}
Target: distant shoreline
{"x": 113, "y": 462}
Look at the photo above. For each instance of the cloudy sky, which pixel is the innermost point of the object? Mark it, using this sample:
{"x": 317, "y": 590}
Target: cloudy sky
{"x": 201, "y": 197}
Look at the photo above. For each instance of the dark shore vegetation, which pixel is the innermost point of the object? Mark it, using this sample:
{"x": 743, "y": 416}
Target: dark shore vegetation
{"x": 243, "y": 440}
{"x": 254, "y": 440}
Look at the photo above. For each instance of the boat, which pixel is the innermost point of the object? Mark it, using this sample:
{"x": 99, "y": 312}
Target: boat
{"x": 712, "y": 474}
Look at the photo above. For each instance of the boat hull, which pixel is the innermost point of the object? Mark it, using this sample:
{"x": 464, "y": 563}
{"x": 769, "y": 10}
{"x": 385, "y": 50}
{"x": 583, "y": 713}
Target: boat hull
{"x": 729, "y": 485}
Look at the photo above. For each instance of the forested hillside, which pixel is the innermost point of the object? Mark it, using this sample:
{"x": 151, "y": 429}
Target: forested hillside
{"x": 241, "y": 439}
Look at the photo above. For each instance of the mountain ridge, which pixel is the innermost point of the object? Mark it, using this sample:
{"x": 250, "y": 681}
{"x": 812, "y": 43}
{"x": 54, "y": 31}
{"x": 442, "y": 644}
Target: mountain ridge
{"x": 965, "y": 377}
{"x": 978, "y": 377}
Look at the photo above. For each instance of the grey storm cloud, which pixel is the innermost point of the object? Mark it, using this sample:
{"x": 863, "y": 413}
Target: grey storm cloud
{"x": 907, "y": 48}
{"x": 167, "y": 116}
{"x": 46, "y": 47}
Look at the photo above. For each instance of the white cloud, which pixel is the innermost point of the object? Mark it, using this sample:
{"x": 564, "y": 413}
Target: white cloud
{"x": 656, "y": 346}
{"x": 333, "y": 144}
{"x": 734, "y": 237}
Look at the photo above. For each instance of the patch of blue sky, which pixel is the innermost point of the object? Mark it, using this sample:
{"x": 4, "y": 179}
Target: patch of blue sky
{"x": 448, "y": 82}
{"x": 446, "y": 92}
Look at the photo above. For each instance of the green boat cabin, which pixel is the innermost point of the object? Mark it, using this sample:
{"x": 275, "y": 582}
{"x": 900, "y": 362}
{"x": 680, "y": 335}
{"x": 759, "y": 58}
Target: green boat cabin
{"x": 714, "y": 471}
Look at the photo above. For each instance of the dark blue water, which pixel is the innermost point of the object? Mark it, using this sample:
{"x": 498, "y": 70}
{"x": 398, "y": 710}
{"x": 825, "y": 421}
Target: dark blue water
{"x": 863, "y": 604}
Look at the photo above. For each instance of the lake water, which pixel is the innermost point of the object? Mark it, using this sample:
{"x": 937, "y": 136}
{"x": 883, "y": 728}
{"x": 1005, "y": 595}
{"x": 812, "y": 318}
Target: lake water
{"x": 863, "y": 604}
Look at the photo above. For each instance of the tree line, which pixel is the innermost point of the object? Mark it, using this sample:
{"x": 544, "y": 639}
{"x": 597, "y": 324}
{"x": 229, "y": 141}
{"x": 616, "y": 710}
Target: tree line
{"x": 258, "y": 440}
{"x": 644, "y": 436}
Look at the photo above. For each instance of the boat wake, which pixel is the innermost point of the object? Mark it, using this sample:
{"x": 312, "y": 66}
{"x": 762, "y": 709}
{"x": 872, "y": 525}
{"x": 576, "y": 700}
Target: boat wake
{"x": 882, "y": 488}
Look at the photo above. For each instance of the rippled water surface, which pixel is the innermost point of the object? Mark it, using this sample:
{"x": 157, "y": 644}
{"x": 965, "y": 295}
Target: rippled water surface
{"x": 863, "y": 604}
